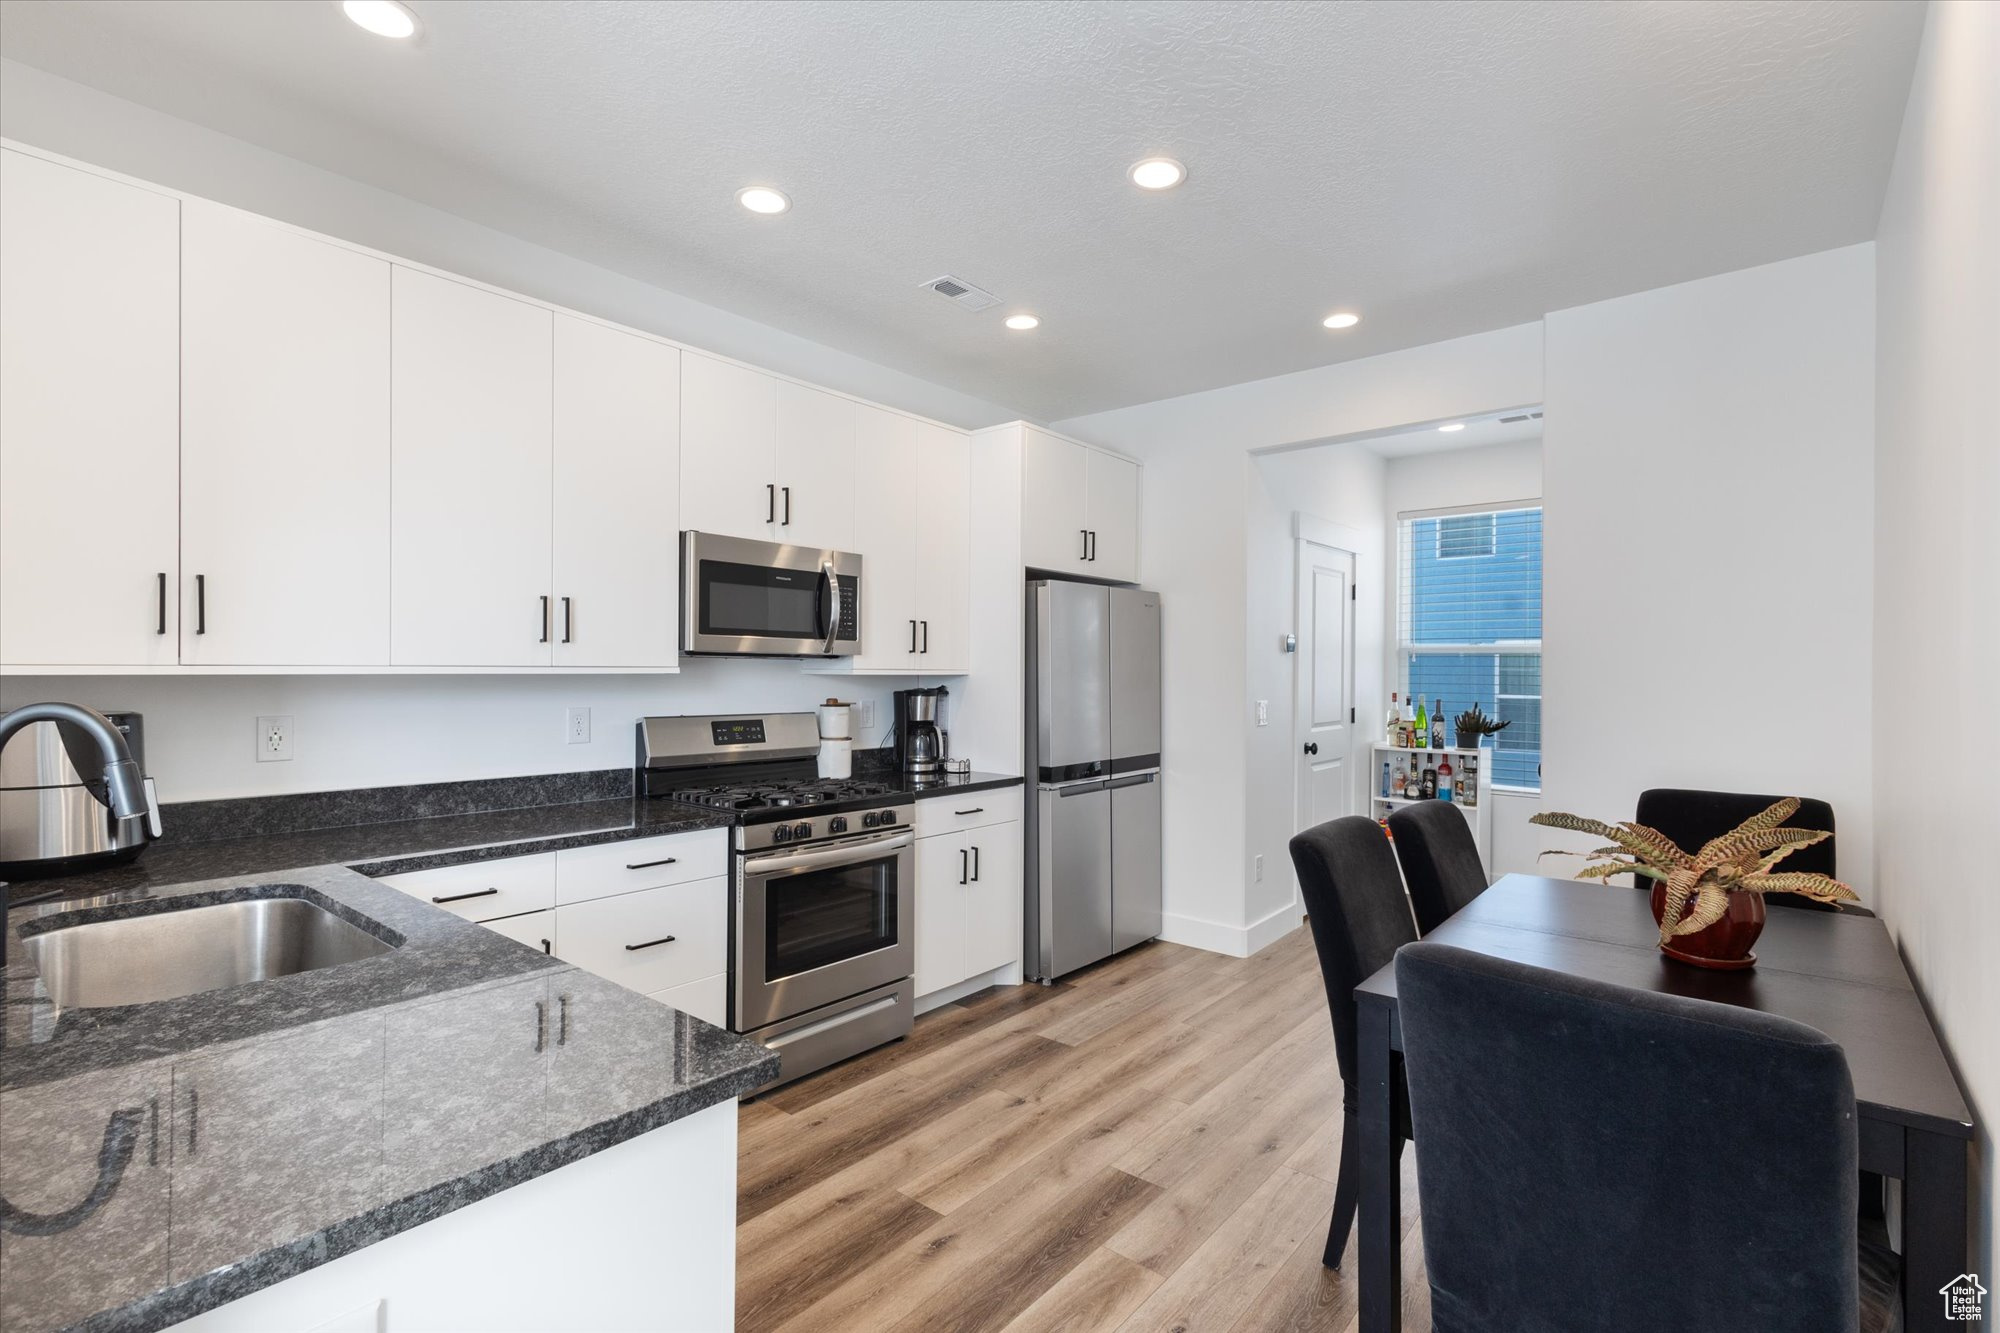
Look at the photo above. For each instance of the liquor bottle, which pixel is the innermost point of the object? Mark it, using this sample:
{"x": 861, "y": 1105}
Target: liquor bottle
{"x": 1385, "y": 778}
{"x": 1412, "y": 784}
{"x": 1393, "y": 733}
{"x": 1429, "y": 787}
{"x": 1468, "y": 782}
{"x": 1409, "y": 723}
{"x": 1423, "y": 726}
{"x": 1437, "y": 726}
{"x": 1444, "y": 778}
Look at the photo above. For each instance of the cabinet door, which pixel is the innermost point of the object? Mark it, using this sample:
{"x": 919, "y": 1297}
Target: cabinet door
{"x": 89, "y": 418}
{"x": 943, "y": 875}
{"x": 537, "y": 930}
{"x": 243, "y": 1115}
{"x": 944, "y": 550}
{"x": 886, "y": 523}
{"x": 1052, "y": 502}
{"x": 993, "y": 898}
{"x": 815, "y": 470}
{"x": 650, "y": 940}
{"x": 472, "y": 489}
{"x": 728, "y": 433}
{"x": 284, "y": 446}
{"x": 61, "y": 1143}
{"x": 1112, "y": 487}
{"x": 617, "y": 479}
{"x": 707, "y": 999}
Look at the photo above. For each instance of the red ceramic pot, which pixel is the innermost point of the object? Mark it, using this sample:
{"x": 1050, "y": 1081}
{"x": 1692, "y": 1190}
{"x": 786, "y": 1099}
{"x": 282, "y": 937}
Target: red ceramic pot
{"x": 1725, "y": 944}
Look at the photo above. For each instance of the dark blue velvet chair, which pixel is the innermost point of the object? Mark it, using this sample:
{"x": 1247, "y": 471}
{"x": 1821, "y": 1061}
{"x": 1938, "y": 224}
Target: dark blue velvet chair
{"x": 1591, "y": 1157}
{"x": 1359, "y": 917}
{"x": 1440, "y": 860}
{"x": 1691, "y": 817}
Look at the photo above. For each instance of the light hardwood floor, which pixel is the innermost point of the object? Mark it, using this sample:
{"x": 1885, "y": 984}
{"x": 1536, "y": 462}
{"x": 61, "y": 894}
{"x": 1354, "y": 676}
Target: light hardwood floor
{"x": 1148, "y": 1145}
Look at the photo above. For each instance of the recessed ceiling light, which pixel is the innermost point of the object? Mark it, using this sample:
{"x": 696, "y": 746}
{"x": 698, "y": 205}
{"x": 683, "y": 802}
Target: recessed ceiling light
{"x": 1343, "y": 320}
{"x": 1157, "y": 173}
{"x": 1452, "y": 426}
{"x": 763, "y": 199}
{"x": 1022, "y": 322}
{"x": 384, "y": 18}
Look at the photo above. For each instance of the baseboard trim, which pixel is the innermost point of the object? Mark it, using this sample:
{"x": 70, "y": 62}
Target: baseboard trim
{"x": 1235, "y": 941}
{"x": 1009, "y": 975}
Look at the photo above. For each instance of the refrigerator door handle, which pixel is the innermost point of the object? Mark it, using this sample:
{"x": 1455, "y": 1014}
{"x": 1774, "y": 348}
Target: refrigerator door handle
{"x": 1082, "y": 788}
{"x": 1136, "y": 780}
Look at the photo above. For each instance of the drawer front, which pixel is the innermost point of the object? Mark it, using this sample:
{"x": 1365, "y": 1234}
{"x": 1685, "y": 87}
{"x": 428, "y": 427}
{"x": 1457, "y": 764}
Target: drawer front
{"x": 949, "y": 814}
{"x": 583, "y": 873}
{"x": 707, "y": 999}
{"x": 692, "y": 919}
{"x": 537, "y": 930}
{"x": 485, "y": 889}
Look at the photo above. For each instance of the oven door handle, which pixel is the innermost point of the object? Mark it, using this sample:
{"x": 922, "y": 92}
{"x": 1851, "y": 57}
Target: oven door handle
{"x": 832, "y": 593}
{"x": 845, "y": 854}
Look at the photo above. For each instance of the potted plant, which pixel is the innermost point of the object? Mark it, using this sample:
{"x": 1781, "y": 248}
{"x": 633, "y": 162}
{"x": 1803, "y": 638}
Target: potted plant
{"x": 1710, "y": 904}
{"x": 1473, "y": 724}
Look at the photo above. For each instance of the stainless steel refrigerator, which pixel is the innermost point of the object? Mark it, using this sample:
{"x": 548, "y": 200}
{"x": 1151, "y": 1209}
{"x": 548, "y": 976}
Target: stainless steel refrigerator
{"x": 1093, "y": 737}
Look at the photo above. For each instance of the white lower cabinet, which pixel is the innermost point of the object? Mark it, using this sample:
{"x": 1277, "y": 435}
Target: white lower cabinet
{"x": 707, "y": 999}
{"x": 968, "y": 904}
{"x": 537, "y": 930}
{"x": 485, "y": 890}
{"x": 648, "y": 941}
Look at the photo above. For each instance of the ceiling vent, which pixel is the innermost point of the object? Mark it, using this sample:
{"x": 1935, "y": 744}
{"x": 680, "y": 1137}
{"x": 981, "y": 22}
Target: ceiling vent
{"x": 1520, "y": 417}
{"x": 962, "y": 293}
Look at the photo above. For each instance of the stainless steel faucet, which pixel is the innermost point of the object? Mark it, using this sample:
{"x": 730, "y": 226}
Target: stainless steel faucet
{"x": 124, "y": 785}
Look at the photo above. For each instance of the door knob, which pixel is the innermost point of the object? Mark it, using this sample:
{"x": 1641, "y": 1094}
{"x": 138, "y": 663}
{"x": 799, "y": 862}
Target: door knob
{"x": 1312, "y": 747}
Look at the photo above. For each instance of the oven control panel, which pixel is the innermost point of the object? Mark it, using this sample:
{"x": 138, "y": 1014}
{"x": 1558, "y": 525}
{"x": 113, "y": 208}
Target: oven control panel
{"x": 793, "y": 830}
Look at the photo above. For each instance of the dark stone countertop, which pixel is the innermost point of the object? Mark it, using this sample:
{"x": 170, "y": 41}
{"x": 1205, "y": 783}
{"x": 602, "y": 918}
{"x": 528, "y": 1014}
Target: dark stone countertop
{"x": 926, "y": 788}
{"x": 395, "y": 847}
{"x": 159, "y": 1160}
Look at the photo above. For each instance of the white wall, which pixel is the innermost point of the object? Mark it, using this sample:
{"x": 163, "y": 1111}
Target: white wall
{"x": 56, "y": 114}
{"x": 1708, "y": 543}
{"x": 1339, "y": 484}
{"x": 1194, "y": 551}
{"x": 376, "y": 731}
{"x": 1492, "y": 474}
{"x": 1937, "y": 579}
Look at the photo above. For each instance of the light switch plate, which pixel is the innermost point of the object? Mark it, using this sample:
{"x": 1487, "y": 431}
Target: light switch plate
{"x": 1263, "y": 712}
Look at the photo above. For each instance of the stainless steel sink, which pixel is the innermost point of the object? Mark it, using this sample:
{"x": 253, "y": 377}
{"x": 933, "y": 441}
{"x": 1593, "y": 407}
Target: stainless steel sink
{"x": 183, "y": 951}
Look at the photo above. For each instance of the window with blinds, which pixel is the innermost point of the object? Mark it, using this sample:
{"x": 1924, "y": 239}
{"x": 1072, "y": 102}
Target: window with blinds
{"x": 1470, "y": 625}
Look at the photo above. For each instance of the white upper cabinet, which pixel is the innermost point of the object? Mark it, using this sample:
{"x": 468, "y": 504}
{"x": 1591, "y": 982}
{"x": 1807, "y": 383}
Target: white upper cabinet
{"x": 885, "y": 520}
{"x": 1079, "y": 509}
{"x": 284, "y": 446}
{"x": 728, "y": 449}
{"x": 815, "y": 469}
{"x": 617, "y": 487}
{"x": 89, "y": 418}
{"x": 944, "y": 550}
{"x": 1111, "y": 498}
{"x": 472, "y": 487}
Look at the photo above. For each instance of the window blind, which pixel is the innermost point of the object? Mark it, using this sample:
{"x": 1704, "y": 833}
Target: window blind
{"x": 1469, "y": 617}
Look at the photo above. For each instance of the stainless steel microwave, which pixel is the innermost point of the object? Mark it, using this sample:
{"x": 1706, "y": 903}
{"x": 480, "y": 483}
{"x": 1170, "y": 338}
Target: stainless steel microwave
{"x": 768, "y": 599}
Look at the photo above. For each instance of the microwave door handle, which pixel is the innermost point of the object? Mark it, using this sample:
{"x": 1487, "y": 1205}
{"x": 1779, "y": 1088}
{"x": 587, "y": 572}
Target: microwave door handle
{"x": 832, "y": 593}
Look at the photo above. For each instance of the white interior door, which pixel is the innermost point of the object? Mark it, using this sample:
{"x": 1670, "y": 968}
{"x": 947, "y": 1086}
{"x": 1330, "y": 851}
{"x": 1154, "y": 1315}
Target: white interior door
{"x": 1323, "y": 683}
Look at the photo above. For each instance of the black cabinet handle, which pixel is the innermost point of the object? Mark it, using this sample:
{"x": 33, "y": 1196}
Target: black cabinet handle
{"x": 975, "y": 865}
{"x": 770, "y": 502}
{"x": 913, "y": 636}
{"x": 927, "y": 634}
{"x": 1086, "y": 542}
{"x": 541, "y": 1026}
{"x": 548, "y": 946}
{"x": 461, "y": 897}
{"x": 562, "y": 1020}
{"x": 788, "y": 507}
{"x": 201, "y": 604}
{"x": 962, "y": 865}
{"x": 1093, "y": 545}
{"x": 664, "y": 939}
{"x": 975, "y": 810}
{"x": 545, "y": 619}
{"x": 648, "y": 865}
{"x": 566, "y": 620}
{"x": 163, "y": 603}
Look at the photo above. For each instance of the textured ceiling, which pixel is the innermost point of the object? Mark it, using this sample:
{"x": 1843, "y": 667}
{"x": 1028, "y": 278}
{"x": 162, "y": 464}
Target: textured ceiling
{"x": 1443, "y": 168}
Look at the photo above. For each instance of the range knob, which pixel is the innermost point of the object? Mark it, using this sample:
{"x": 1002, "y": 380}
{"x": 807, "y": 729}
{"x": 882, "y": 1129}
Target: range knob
{"x": 838, "y": 824}
{"x": 782, "y": 833}
{"x": 800, "y": 832}
{"x": 886, "y": 818}
{"x": 870, "y": 820}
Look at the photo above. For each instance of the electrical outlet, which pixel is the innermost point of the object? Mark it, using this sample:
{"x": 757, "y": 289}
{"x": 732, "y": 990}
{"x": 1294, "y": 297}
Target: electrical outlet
{"x": 578, "y": 728}
{"x": 274, "y": 740}
{"x": 1263, "y": 712}
{"x": 864, "y": 718}
{"x": 1257, "y": 867}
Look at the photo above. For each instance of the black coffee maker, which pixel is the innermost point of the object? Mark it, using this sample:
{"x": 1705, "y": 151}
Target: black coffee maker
{"x": 920, "y": 734}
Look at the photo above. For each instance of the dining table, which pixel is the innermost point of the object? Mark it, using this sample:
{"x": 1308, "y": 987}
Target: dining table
{"x": 1837, "y": 972}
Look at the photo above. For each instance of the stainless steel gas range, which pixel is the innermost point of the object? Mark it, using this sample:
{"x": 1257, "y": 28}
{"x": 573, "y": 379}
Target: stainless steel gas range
{"x": 822, "y": 916}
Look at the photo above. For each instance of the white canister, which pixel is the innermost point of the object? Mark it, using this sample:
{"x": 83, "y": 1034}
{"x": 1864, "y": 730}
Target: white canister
{"x": 835, "y": 721}
{"x": 836, "y": 758}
